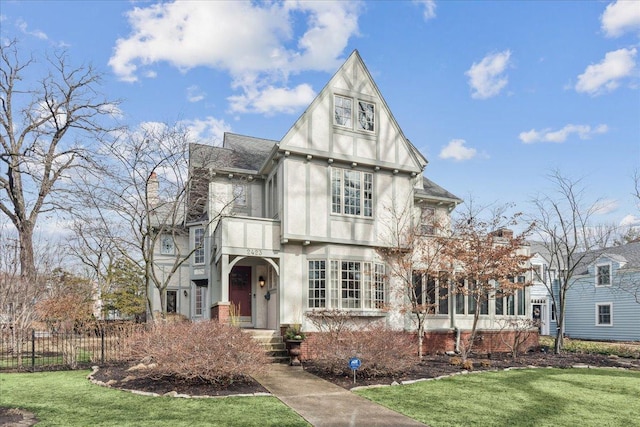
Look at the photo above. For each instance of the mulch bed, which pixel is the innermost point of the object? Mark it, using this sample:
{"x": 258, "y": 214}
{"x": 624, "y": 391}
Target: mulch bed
{"x": 117, "y": 376}
{"x": 432, "y": 366}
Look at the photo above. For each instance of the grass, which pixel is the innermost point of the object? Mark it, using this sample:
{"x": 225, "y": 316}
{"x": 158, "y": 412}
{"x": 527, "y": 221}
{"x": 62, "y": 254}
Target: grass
{"x": 69, "y": 399}
{"x": 531, "y": 397}
{"x": 596, "y": 347}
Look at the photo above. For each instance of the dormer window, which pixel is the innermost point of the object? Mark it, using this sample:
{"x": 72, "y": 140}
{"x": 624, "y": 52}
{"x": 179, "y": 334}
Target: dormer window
{"x": 603, "y": 275}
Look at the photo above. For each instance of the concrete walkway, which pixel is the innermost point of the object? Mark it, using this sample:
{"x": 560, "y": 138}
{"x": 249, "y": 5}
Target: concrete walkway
{"x": 324, "y": 404}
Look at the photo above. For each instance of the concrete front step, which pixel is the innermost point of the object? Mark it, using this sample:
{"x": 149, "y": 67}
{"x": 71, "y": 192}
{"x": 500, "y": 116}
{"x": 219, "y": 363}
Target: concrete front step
{"x": 272, "y": 343}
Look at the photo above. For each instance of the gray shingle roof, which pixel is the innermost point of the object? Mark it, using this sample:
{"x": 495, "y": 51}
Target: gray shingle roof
{"x": 434, "y": 191}
{"x": 237, "y": 152}
{"x": 629, "y": 253}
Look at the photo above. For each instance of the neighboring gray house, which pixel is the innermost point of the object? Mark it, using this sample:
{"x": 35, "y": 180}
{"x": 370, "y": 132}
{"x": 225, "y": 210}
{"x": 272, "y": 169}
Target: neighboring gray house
{"x": 603, "y": 301}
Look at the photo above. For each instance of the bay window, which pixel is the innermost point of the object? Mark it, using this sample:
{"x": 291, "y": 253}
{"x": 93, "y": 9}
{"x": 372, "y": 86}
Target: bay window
{"x": 352, "y": 285}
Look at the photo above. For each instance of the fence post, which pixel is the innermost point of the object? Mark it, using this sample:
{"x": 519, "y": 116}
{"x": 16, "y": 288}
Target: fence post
{"x": 33, "y": 349}
{"x": 102, "y": 346}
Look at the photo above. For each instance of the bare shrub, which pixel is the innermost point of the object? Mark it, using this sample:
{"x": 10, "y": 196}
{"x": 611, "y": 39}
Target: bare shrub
{"x": 207, "y": 351}
{"x": 331, "y": 321}
{"x": 382, "y": 351}
{"x": 520, "y": 331}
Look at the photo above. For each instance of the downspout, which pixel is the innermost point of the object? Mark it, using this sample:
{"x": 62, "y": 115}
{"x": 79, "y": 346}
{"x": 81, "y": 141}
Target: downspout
{"x": 452, "y": 305}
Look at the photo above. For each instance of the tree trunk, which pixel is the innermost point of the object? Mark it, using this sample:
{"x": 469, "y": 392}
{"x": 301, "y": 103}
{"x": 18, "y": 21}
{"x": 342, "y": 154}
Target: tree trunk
{"x": 27, "y": 262}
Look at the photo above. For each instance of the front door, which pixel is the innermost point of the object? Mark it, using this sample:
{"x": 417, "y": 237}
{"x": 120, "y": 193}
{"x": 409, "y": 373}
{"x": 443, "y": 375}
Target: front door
{"x": 240, "y": 289}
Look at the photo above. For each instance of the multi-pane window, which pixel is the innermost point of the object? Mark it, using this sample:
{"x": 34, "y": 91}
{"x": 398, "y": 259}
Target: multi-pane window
{"x": 317, "y": 284}
{"x": 343, "y": 113}
{"x": 352, "y": 285}
{"x": 342, "y": 110}
{"x": 366, "y": 116}
{"x": 603, "y": 315}
{"x": 432, "y": 292}
{"x": 603, "y": 275}
{"x": 511, "y": 303}
{"x": 166, "y": 245}
{"x": 239, "y": 195}
{"x": 172, "y": 301}
{"x": 427, "y": 218}
{"x": 351, "y": 192}
{"x": 199, "y": 300}
{"x": 198, "y": 244}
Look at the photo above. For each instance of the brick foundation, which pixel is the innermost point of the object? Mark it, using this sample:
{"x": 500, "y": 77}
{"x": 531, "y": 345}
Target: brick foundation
{"x": 487, "y": 341}
{"x": 220, "y": 312}
{"x": 445, "y": 340}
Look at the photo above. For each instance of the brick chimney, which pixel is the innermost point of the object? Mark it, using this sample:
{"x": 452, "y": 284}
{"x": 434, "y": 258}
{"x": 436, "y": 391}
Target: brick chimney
{"x": 503, "y": 232}
{"x": 152, "y": 190}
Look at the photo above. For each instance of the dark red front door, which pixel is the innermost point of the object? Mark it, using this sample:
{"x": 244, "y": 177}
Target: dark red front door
{"x": 240, "y": 289}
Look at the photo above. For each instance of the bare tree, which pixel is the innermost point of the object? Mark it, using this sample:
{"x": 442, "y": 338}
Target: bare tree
{"x": 487, "y": 258}
{"x": 146, "y": 189}
{"x": 46, "y": 130}
{"x": 411, "y": 253}
{"x": 563, "y": 227}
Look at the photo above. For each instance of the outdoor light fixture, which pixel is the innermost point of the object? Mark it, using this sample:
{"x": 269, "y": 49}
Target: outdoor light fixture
{"x": 185, "y": 293}
{"x": 261, "y": 281}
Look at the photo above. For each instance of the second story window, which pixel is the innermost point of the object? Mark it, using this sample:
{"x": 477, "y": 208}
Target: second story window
{"x": 351, "y": 192}
{"x": 342, "y": 111}
{"x": 366, "y": 116}
{"x": 427, "y": 221}
{"x": 239, "y": 195}
{"x": 166, "y": 244}
{"x": 198, "y": 244}
{"x": 603, "y": 275}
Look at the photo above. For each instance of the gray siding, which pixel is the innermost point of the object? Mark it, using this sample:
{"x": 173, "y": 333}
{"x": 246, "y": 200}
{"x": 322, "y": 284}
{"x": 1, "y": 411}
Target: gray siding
{"x": 582, "y": 299}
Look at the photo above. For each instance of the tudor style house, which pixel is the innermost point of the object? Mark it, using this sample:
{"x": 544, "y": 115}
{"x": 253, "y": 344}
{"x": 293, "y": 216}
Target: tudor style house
{"x": 603, "y": 301}
{"x": 291, "y": 226}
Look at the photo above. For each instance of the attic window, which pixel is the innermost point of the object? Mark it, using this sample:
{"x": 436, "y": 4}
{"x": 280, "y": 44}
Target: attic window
{"x": 603, "y": 275}
{"x": 366, "y": 116}
{"x": 342, "y": 110}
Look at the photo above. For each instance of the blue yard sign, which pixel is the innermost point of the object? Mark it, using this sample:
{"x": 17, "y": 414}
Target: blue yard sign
{"x": 354, "y": 364}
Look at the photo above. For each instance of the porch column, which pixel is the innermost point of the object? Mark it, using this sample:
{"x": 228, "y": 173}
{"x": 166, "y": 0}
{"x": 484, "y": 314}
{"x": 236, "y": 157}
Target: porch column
{"x": 224, "y": 279}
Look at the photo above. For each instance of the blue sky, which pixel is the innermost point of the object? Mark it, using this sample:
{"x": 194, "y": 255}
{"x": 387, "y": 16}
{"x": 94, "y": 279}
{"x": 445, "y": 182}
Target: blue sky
{"x": 495, "y": 94}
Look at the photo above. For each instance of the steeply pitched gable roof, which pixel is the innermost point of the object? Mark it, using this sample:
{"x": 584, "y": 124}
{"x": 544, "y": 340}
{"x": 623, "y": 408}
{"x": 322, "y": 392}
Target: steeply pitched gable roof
{"x": 238, "y": 152}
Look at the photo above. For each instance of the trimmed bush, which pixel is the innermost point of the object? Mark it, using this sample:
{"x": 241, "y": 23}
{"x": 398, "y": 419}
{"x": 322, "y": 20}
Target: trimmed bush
{"x": 206, "y": 351}
{"x": 383, "y": 352}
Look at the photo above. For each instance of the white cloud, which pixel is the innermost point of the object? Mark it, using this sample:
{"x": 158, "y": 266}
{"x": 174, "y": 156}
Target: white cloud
{"x": 271, "y": 99}
{"x": 254, "y": 42}
{"x": 428, "y": 8}
{"x": 22, "y": 26}
{"x": 457, "y": 151}
{"x": 207, "y": 130}
{"x": 621, "y": 16}
{"x": 630, "y": 220}
{"x": 486, "y": 77}
{"x": 606, "y": 75}
{"x": 561, "y": 135}
{"x": 194, "y": 94}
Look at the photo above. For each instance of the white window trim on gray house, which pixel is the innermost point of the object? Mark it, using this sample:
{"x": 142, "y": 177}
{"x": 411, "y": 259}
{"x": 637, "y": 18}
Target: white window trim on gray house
{"x": 604, "y": 304}
{"x": 598, "y": 274}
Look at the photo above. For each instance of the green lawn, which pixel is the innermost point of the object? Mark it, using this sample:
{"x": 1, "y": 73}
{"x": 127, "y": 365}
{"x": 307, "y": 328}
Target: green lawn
{"x": 69, "y": 399}
{"x": 531, "y": 397}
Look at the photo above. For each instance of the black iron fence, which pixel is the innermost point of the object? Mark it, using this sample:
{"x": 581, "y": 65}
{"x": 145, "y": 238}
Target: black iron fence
{"x": 34, "y": 350}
